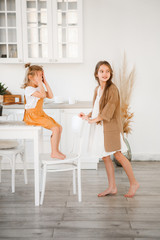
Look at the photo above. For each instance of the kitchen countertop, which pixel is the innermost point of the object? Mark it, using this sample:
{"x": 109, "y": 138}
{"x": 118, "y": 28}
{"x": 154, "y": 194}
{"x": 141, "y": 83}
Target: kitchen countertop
{"x": 52, "y": 105}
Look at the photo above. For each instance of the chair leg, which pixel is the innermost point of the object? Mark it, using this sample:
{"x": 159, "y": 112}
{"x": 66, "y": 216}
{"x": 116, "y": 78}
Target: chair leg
{"x": 43, "y": 184}
{"x": 40, "y": 180}
{"x": 24, "y": 167}
{"x": 79, "y": 182}
{"x": 74, "y": 181}
{"x": 0, "y": 170}
{"x": 13, "y": 172}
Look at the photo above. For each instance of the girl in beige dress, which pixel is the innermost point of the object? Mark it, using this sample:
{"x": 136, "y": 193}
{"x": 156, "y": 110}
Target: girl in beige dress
{"x": 109, "y": 134}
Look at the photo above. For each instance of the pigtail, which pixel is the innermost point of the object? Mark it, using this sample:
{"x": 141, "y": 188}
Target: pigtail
{"x": 26, "y": 80}
{"x": 27, "y": 65}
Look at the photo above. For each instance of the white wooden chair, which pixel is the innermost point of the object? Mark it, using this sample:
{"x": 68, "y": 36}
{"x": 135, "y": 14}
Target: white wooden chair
{"x": 10, "y": 149}
{"x": 70, "y": 163}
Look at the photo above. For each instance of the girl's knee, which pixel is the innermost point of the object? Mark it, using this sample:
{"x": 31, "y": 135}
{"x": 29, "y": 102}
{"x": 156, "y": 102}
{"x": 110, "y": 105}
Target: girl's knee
{"x": 118, "y": 155}
{"x": 106, "y": 159}
{"x": 57, "y": 129}
{"x": 60, "y": 127}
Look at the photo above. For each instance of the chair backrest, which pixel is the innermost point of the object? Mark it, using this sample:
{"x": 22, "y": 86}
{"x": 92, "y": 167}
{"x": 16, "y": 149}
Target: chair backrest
{"x": 77, "y": 131}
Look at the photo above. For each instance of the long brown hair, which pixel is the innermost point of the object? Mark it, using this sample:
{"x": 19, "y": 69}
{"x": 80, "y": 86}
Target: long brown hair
{"x": 108, "y": 83}
{"x": 31, "y": 70}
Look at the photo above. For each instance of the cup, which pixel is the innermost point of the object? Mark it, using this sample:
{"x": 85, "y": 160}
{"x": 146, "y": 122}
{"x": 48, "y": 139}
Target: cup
{"x": 72, "y": 100}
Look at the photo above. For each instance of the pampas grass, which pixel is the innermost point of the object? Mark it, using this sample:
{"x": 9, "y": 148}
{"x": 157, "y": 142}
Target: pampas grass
{"x": 125, "y": 83}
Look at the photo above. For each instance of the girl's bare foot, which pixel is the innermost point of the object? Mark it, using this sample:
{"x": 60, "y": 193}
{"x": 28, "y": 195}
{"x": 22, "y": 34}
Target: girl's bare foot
{"x": 62, "y": 154}
{"x": 132, "y": 190}
{"x": 58, "y": 155}
{"x": 108, "y": 191}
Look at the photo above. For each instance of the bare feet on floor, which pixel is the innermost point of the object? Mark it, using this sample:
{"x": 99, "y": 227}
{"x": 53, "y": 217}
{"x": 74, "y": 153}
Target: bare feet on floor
{"x": 108, "y": 191}
{"x": 132, "y": 190}
{"x": 58, "y": 155}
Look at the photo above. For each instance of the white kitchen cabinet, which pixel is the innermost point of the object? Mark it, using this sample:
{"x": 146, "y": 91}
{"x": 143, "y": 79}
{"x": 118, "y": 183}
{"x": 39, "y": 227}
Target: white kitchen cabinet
{"x": 40, "y": 31}
{"x": 52, "y": 30}
{"x": 14, "y": 114}
{"x": 37, "y": 32}
{"x": 67, "y": 30}
{"x": 10, "y": 31}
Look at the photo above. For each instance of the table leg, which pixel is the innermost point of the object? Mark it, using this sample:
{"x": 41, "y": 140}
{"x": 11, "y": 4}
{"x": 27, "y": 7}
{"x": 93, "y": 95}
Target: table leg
{"x": 41, "y": 149}
{"x": 36, "y": 167}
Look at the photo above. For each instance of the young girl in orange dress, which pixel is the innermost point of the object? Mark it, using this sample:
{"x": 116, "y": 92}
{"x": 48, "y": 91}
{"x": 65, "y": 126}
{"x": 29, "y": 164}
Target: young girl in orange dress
{"x": 106, "y": 132}
{"x": 34, "y": 115}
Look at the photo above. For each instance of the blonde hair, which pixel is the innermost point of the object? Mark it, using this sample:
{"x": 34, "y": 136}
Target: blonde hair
{"x": 31, "y": 70}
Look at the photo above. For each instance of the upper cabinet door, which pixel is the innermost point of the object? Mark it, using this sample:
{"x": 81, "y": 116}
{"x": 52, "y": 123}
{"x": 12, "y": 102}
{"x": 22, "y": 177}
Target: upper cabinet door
{"x": 10, "y": 31}
{"x": 37, "y": 30}
{"x": 40, "y": 31}
{"x": 67, "y": 30}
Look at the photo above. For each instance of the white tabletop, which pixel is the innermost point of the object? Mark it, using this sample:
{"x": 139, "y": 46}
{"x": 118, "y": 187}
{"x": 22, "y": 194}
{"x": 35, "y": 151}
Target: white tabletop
{"x": 16, "y": 124}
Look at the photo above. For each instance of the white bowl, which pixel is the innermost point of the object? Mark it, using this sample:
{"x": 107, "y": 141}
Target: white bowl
{"x": 58, "y": 99}
{"x": 48, "y": 100}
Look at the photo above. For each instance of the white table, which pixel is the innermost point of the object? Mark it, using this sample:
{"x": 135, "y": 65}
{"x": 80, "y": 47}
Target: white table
{"x": 19, "y": 130}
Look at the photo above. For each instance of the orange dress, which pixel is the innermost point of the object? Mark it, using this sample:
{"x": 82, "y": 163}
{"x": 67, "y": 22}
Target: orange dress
{"x": 36, "y": 116}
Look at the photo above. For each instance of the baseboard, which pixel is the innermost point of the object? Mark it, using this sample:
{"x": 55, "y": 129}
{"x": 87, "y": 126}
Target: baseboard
{"x": 145, "y": 157}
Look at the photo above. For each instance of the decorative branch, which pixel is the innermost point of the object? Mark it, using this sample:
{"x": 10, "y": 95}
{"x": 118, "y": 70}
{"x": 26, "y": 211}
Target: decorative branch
{"x": 125, "y": 84}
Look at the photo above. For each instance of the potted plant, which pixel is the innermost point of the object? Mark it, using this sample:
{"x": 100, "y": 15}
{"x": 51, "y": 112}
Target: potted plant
{"x": 3, "y": 90}
{"x": 125, "y": 83}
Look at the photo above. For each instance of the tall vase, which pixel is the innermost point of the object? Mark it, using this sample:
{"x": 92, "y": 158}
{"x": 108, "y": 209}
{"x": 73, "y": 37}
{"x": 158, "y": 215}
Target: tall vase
{"x": 127, "y": 154}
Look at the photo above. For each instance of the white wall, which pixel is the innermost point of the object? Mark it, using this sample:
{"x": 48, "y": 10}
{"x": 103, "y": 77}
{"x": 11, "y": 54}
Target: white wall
{"x": 110, "y": 27}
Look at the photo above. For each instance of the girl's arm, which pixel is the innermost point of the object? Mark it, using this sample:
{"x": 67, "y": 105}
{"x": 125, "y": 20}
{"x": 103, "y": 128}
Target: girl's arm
{"x": 49, "y": 93}
{"x": 41, "y": 93}
{"x": 95, "y": 120}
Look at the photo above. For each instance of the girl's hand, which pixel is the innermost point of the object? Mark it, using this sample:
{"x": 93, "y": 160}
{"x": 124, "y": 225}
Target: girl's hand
{"x": 83, "y": 116}
{"x": 44, "y": 79}
{"x": 90, "y": 120}
{"x": 38, "y": 78}
{"x": 95, "y": 120}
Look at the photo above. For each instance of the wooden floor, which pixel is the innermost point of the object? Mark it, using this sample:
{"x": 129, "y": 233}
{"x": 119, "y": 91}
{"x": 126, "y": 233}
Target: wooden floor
{"x": 63, "y": 218}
